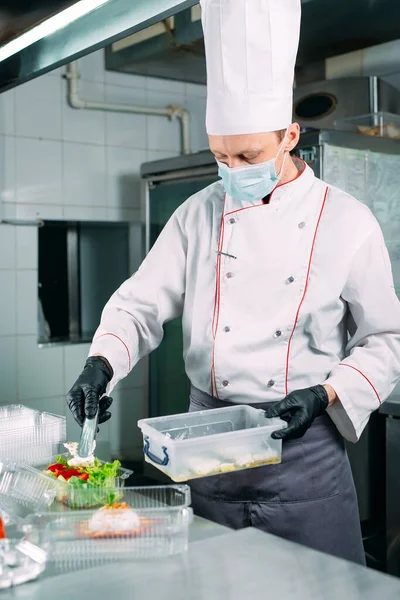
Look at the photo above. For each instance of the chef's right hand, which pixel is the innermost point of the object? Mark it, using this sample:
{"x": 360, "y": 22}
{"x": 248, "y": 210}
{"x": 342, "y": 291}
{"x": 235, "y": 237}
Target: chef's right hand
{"x": 86, "y": 395}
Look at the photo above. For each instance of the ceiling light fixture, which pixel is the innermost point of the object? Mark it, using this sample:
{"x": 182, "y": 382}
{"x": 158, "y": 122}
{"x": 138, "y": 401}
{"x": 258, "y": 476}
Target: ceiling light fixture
{"x": 49, "y": 26}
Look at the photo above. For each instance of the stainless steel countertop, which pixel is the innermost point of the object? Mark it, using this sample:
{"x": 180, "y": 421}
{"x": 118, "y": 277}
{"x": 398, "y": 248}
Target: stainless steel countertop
{"x": 221, "y": 565}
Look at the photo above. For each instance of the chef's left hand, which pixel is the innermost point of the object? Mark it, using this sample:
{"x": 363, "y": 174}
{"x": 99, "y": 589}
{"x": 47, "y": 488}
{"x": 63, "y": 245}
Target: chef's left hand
{"x": 299, "y": 409}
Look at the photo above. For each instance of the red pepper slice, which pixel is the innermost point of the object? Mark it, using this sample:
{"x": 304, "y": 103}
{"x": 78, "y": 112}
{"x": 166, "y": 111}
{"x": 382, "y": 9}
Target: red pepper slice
{"x": 2, "y": 530}
{"x": 56, "y": 467}
{"x": 70, "y": 473}
{"x": 84, "y": 476}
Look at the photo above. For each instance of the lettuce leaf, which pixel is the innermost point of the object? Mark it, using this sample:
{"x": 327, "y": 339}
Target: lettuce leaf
{"x": 100, "y": 473}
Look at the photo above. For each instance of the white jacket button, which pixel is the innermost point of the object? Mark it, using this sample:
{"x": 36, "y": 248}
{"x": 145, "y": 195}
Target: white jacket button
{"x": 277, "y": 334}
{"x": 232, "y": 221}
{"x": 290, "y": 279}
{"x": 301, "y": 225}
{"x": 227, "y": 329}
{"x": 225, "y": 383}
{"x": 270, "y": 383}
{"x": 230, "y": 275}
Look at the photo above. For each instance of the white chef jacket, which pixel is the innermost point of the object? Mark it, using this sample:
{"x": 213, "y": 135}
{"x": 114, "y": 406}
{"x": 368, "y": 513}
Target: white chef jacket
{"x": 301, "y": 294}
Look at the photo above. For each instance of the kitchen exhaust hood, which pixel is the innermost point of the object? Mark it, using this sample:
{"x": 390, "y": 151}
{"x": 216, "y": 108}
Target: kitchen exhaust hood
{"x": 163, "y": 38}
{"x": 174, "y": 48}
{"x": 110, "y": 22}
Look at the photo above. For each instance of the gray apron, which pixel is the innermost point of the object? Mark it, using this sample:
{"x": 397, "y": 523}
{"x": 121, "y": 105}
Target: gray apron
{"x": 309, "y": 498}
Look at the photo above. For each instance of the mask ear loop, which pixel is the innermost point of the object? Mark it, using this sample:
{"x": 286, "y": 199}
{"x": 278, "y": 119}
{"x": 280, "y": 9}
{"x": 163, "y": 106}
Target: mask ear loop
{"x": 284, "y": 156}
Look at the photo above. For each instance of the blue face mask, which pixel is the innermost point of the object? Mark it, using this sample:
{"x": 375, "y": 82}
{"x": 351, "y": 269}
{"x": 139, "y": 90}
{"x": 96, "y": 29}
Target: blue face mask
{"x": 253, "y": 182}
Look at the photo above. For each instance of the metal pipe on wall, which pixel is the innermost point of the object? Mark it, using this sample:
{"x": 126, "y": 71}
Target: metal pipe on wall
{"x": 171, "y": 112}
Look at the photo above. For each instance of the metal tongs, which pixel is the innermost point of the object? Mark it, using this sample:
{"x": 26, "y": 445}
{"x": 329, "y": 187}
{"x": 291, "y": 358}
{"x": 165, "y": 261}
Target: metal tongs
{"x": 88, "y": 436}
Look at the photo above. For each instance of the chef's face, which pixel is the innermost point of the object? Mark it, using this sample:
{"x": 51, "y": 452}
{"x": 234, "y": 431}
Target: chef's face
{"x": 250, "y": 149}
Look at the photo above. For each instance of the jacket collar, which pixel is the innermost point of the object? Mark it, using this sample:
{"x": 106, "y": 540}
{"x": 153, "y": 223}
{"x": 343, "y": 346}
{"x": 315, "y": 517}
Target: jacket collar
{"x": 292, "y": 189}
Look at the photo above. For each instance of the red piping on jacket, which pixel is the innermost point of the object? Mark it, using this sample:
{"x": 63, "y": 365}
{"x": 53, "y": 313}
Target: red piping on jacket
{"x": 217, "y": 298}
{"x": 304, "y": 293}
{"x": 122, "y": 342}
{"x": 365, "y": 377}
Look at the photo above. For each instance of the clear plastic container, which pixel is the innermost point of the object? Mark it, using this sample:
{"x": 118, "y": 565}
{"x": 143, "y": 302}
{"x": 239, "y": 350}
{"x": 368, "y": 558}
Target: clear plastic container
{"x": 25, "y": 490}
{"x": 29, "y": 435}
{"x": 379, "y": 124}
{"x": 155, "y": 523}
{"x": 20, "y": 561}
{"x": 87, "y": 496}
{"x": 211, "y": 442}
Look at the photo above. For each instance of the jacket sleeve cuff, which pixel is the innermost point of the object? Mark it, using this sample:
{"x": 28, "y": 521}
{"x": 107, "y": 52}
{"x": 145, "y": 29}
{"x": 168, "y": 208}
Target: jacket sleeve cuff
{"x": 117, "y": 354}
{"x": 351, "y": 413}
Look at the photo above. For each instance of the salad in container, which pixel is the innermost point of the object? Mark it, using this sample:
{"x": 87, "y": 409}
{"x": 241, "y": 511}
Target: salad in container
{"x": 85, "y": 483}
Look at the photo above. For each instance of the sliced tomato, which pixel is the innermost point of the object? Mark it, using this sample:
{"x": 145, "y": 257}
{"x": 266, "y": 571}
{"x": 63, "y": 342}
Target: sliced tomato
{"x": 84, "y": 476}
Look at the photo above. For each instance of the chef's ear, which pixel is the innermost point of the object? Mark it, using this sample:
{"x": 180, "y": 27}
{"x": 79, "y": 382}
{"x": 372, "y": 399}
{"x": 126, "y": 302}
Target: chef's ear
{"x": 292, "y": 137}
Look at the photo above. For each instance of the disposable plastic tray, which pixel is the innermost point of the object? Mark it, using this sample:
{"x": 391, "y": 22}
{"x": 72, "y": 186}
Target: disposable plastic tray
{"x": 87, "y": 496}
{"x": 211, "y": 442}
{"x": 164, "y": 515}
{"x": 25, "y": 490}
{"x": 29, "y": 435}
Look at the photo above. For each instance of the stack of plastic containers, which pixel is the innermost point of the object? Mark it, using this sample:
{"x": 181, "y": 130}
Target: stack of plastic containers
{"x": 28, "y": 435}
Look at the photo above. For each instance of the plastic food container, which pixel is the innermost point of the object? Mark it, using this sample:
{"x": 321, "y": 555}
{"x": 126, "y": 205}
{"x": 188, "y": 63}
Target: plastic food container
{"x": 379, "y": 124}
{"x": 29, "y": 435}
{"x": 25, "y": 490}
{"x": 211, "y": 442}
{"x": 87, "y": 496}
{"x": 74, "y": 539}
{"x": 20, "y": 561}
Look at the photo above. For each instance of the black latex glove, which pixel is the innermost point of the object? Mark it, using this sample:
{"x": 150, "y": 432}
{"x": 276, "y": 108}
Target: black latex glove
{"x": 299, "y": 409}
{"x": 83, "y": 399}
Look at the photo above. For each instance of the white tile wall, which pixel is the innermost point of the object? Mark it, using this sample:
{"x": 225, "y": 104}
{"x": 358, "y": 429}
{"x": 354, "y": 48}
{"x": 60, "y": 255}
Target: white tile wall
{"x": 126, "y": 129}
{"x": 8, "y": 258}
{"x": 86, "y": 126}
{"x": 7, "y": 168}
{"x": 32, "y": 211}
{"x": 163, "y": 134}
{"x": 8, "y": 312}
{"x": 26, "y": 246}
{"x": 57, "y": 162}
{"x": 8, "y": 369}
{"x": 84, "y": 187}
{"x": 91, "y": 67}
{"x": 56, "y": 405}
{"x": 40, "y": 370}
{"x": 74, "y": 359}
{"x": 7, "y": 108}
{"x": 27, "y": 310}
{"x": 38, "y": 109}
{"x": 38, "y": 171}
{"x": 123, "y": 173}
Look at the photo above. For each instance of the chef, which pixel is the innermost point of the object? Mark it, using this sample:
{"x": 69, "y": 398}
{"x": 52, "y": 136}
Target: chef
{"x": 285, "y": 289}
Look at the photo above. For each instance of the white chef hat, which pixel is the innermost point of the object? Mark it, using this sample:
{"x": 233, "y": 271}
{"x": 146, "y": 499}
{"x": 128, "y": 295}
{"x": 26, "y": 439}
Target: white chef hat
{"x": 251, "y": 48}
